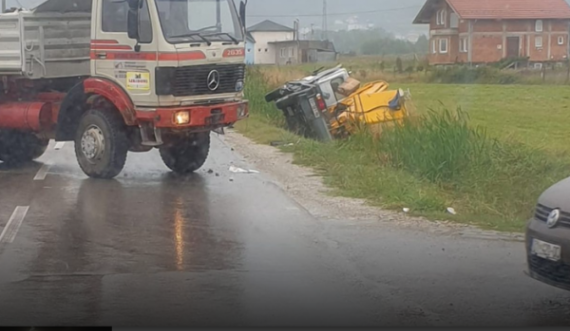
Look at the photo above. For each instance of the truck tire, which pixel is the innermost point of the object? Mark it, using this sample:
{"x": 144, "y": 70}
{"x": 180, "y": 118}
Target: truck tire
{"x": 21, "y": 147}
{"x": 101, "y": 143}
{"x": 186, "y": 156}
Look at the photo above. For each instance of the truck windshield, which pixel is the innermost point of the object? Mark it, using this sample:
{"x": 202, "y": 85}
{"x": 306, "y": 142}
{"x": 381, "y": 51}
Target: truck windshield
{"x": 199, "y": 20}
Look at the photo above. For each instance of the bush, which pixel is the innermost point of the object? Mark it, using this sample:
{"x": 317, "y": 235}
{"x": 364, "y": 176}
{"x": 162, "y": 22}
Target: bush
{"x": 256, "y": 88}
{"x": 484, "y": 176}
{"x": 466, "y": 75}
{"x": 439, "y": 146}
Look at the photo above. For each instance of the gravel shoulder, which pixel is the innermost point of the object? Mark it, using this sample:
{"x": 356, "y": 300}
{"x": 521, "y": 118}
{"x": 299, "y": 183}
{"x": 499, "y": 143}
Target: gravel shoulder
{"x": 309, "y": 191}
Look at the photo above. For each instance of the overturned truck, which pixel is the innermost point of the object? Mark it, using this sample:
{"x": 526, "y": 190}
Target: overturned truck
{"x": 329, "y": 104}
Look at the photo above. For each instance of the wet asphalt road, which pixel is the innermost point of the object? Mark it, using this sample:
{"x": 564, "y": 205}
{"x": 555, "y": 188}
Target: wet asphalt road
{"x": 152, "y": 249}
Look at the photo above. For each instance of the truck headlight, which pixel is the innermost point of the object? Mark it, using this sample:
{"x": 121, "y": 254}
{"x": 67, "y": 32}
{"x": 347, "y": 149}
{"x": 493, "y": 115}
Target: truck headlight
{"x": 182, "y": 117}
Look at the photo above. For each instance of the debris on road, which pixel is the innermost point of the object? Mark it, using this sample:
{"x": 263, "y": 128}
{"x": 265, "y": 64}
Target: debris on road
{"x": 276, "y": 143}
{"x": 210, "y": 171}
{"x": 281, "y": 143}
{"x": 237, "y": 170}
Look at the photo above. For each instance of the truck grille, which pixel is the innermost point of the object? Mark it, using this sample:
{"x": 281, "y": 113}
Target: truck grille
{"x": 193, "y": 80}
{"x": 542, "y": 213}
{"x": 554, "y": 271}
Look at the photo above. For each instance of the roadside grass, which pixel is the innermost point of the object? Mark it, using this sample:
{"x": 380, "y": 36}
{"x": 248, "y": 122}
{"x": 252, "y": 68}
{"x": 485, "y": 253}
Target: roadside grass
{"x": 536, "y": 116}
{"x": 490, "y": 159}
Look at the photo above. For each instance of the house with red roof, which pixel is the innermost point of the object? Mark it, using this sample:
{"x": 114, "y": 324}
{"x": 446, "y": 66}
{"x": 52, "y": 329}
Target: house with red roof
{"x": 486, "y": 31}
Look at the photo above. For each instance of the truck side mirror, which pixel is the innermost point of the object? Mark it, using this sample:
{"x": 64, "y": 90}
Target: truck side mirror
{"x": 242, "y": 13}
{"x": 133, "y": 19}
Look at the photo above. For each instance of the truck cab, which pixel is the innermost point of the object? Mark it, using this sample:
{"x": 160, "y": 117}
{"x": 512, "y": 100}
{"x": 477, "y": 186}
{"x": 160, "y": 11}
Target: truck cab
{"x": 152, "y": 74}
{"x": 170, "y": 53}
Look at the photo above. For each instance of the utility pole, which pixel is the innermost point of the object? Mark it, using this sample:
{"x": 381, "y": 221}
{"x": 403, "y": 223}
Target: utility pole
{"x": 4, "y": 6}
{"x": 325, "y": 27}
{"x": 312, "y": 31}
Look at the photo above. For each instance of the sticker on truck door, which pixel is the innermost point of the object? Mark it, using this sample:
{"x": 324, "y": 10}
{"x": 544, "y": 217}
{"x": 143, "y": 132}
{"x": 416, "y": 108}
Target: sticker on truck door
{"x": 138, "y": 81}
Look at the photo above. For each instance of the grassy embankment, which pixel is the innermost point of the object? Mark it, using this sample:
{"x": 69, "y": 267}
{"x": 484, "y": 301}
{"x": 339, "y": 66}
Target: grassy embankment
{"x": 490, "y": 160}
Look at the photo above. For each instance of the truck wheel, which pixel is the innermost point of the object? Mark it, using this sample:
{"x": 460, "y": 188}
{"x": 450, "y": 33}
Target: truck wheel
{"x": 101, "y": 144}
{"x": 187, "y": 156}
{"x": 21, "y": 147}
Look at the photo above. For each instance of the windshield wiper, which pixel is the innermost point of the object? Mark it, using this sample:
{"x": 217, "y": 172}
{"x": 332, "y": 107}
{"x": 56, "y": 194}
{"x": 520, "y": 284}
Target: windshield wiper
{"x": 193, "y": 35}
{"x": 225, "y": 34}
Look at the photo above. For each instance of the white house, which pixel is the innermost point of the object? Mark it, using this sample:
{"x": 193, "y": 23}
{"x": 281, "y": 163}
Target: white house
{"x": 264, "y": 34}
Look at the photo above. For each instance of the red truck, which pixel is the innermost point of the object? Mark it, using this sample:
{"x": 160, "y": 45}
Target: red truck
{"x": 119, "y": 76}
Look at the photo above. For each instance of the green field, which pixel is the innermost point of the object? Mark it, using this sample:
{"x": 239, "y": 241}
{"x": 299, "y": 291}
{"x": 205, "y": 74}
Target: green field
{"x": 535, "y": 115}
{"x": 443, "y": 162}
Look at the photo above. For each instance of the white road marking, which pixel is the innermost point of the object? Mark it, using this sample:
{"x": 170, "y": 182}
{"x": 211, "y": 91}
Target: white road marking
{"x": 59, "y": 145}
{"x": 44, "y": 170}
{"x": 9, "y": 233}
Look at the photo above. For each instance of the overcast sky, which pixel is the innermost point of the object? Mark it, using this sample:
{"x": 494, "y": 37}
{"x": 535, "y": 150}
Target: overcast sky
{"x": 393, "y": 15}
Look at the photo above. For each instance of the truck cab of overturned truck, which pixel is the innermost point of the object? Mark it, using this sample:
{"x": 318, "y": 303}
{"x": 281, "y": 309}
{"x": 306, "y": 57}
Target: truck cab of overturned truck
{"x": 122, "y": 75}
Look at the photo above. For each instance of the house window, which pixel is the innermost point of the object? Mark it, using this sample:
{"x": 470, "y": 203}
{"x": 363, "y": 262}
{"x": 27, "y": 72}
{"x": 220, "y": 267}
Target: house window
{"x": 443, "y": 45}
{"x": 283, "y": 52}
{"x": 453, "y": 21}
{"x": 441, "y": 17}
{"x": 463, "y": 46}
{"x": 538, "y": 42}
{"x": 434, "y": 46}
{"x": 560, "y": 40}
{"x": 266, "y": 50}
{"x": 291, "y": 52}
{"x": 538, "y": 26}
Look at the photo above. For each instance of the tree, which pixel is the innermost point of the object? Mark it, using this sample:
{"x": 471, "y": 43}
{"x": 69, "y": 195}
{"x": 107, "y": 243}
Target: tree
{"x": 399, "y": 65}
{"x": 371, "y": 42}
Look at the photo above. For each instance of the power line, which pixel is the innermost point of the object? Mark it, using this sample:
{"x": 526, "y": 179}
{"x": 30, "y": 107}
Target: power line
{"x": 338, "y": 14}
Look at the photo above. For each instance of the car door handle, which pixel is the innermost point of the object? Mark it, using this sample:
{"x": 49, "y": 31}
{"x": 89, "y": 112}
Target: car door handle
{"x": 101, "y": 55}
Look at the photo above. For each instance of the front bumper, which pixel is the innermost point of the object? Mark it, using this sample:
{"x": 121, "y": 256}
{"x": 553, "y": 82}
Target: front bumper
{"x": 556, "y": 274}
{"x": 201, "y": 116}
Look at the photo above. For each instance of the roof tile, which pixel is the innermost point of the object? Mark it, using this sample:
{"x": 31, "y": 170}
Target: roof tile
{"x": 269, "y": 26}
{"x": 511, "y": 9}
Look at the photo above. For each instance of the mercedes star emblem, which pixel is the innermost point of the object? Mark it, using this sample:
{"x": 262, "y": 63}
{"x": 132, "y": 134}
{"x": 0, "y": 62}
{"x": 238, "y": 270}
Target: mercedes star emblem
{"x": 553, "y": 218}
{"x": 213, "y": 80}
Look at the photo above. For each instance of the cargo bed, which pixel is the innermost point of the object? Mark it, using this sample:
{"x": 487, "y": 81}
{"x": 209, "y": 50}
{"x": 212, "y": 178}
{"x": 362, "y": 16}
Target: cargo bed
{"x": 40, "y": 44}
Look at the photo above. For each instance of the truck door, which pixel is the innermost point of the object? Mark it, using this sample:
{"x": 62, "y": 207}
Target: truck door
{"x": 114, "y": 55}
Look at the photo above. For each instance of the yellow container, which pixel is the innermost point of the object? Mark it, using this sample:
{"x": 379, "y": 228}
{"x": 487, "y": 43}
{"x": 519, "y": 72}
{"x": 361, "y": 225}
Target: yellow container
{"x": 371, "y": 105}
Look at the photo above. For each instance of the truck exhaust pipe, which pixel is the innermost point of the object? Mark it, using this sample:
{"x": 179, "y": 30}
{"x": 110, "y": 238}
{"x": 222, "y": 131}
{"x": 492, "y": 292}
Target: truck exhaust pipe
{"x": 28, "y": 116}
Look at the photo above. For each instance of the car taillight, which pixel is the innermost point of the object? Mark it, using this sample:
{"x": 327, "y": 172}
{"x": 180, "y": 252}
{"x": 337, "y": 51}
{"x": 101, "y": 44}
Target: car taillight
{"x": 321, "y": 102}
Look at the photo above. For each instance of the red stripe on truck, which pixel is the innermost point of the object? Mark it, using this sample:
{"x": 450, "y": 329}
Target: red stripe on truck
{"x": 149, "y": 56}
